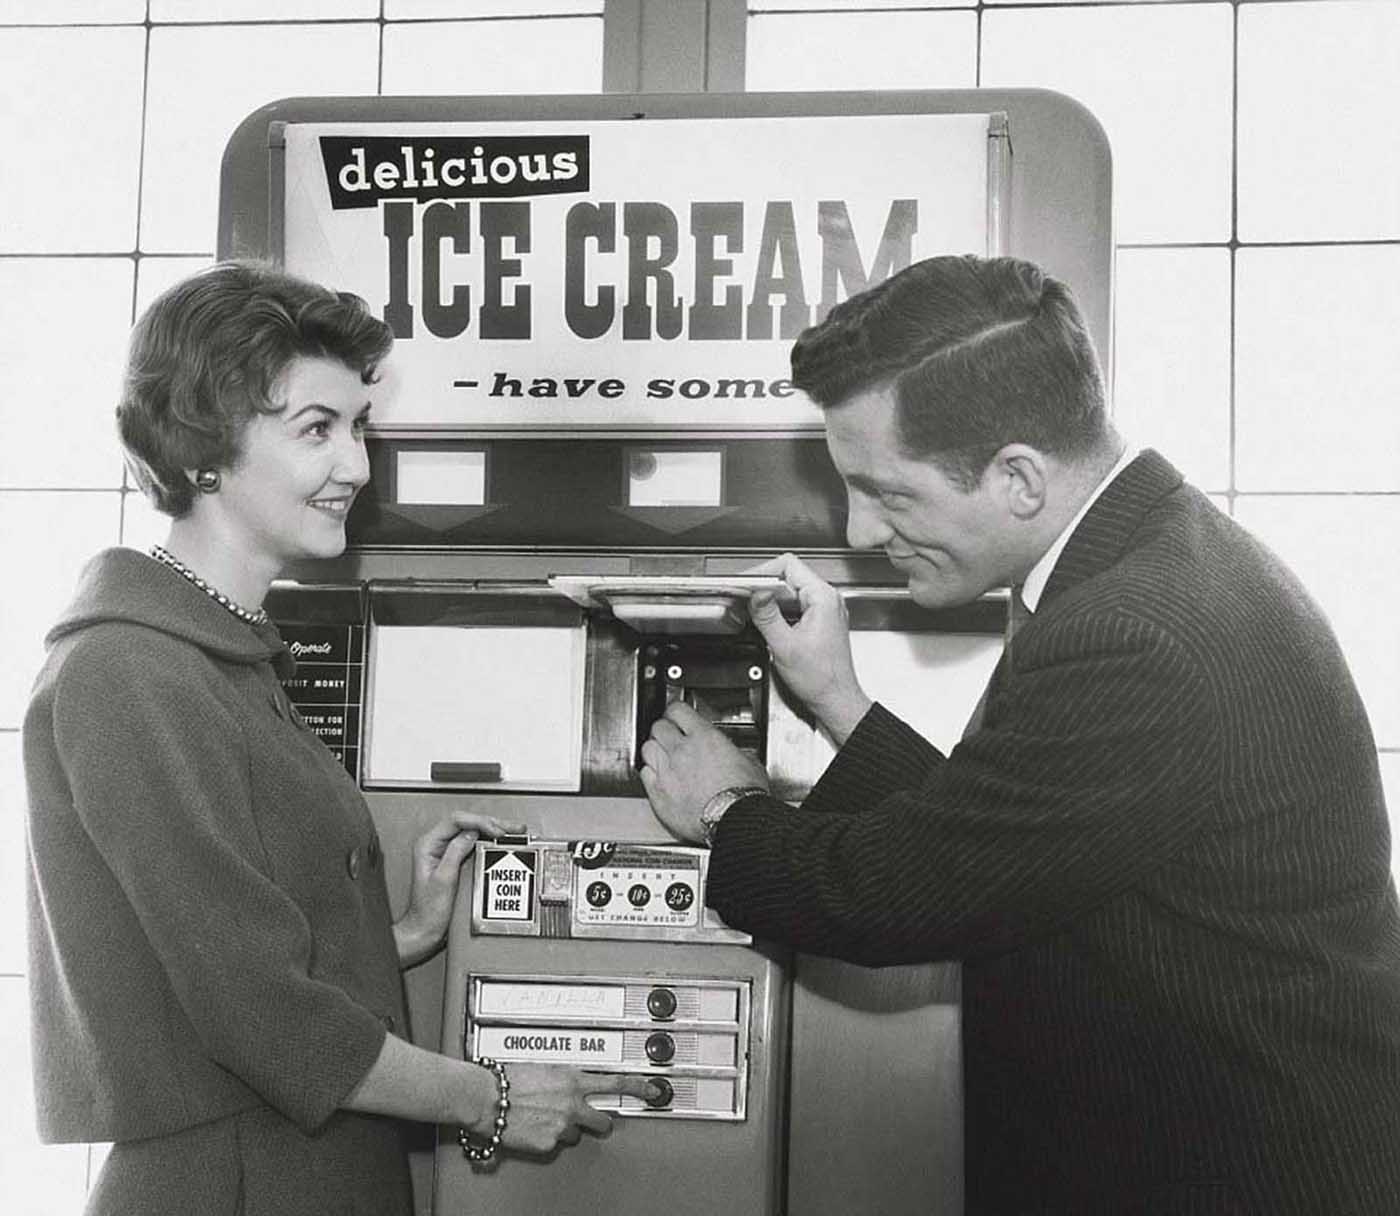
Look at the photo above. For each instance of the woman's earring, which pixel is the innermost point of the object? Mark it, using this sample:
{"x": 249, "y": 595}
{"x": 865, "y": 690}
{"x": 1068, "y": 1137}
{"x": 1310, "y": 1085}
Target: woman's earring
{"x": 207, "y": 480}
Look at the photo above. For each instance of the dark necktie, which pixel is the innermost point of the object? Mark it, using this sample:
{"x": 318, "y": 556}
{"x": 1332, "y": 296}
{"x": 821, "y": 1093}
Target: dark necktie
{"x": 1017, "y": 614}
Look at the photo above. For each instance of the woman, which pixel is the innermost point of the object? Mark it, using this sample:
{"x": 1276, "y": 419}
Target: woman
{"x": 214, "y": 973}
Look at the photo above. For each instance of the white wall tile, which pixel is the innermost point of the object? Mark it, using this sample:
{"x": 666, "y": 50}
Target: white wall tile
{"x": 1319, "y": 88}
{"x": 844, "y": 6}
{"x": 1158, "y": 78}
{"x": 1343, "y": 549}
{"x": 45, "y": 539}
{"x": 71, "y": 12}
{"x": 1317, "y": 362}
{"x": 894, "y": 50}
{"x": 40, "y": 1180}
{"x": 13, "y": 960}
{"x": 71, "y": 129}
{"x": 204, "y": 80}
{"x": 1172, "y": 357}
{"x": 564, "y": 55}
{"x": 418, "y": 10}
{"x": 142, "y": 525}
{"x": 262, "y": 10}
{"x": 59, "y": 431}
{"x": 154, "y": 275}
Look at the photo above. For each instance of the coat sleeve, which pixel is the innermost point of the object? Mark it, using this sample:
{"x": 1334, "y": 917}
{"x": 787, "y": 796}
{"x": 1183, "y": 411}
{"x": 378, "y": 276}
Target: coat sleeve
{"x": 1092, "y": 772}
{"x": 159, "y": 775}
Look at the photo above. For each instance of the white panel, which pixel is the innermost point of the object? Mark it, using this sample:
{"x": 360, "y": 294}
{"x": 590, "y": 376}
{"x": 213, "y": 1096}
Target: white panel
{"x": 894, "y": 50}
{"x": 204, "y": 80}
{"x": 12, "y": 858}
{"x": 39, "y": 1180}
{"x": 46, "y": 537}
{"x": 503, "y": 695}
{"x": 471, "y": 57}
{"x": 1343, "y": 549}
{"x": 262, "y": 10}
{"x": 666, "y": 478}
{"x": 1158, "y": 77}
{"x": 932, "y": 681}
{"x": 450, "y": 478}
{"x": 719, "y": 1005}
{"x": 46, "y": 12}
{"x": 1317, "y": 363}
{"x": 71, "y": 127}
{"x": 1319, "y": 86}
{"x": 715, "y": 1050}
{"x": 58, "y": 430}
{"x": 396, "y": 10}
{"x": 1172, "y": 357}
{"x": 504, "y": 999}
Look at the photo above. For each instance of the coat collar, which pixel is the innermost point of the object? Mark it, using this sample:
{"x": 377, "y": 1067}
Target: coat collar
{"x": 124, "y": 585}
{"x": 1105, "y": 532}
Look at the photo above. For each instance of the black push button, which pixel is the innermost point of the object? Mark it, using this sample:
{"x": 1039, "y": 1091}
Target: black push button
{"x": 661, "y": 1004}
{"x": 664, "y": 1096}
{"x": 660, "y": 1047}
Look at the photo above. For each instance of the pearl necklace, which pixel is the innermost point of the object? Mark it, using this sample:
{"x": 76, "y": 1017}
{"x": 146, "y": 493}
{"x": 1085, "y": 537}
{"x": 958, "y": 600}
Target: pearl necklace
{"x": 245, "y": 615}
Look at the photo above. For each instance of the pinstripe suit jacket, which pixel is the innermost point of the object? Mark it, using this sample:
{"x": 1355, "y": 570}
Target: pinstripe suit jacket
{"x": 1164, "y": 861}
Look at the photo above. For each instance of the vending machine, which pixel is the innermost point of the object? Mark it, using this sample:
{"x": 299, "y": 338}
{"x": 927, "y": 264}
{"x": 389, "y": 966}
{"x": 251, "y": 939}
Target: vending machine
{"x": 583, "y": 444}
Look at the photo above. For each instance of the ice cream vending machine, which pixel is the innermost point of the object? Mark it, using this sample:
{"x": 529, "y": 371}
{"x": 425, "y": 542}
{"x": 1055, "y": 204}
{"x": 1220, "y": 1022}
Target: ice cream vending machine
{"x": 583, "y": 443}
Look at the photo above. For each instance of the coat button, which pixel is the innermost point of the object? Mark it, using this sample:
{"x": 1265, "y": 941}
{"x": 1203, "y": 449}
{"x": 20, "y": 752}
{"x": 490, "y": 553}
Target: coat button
{"x": 352, "y": 863}
{"x": 390, "y": 1022}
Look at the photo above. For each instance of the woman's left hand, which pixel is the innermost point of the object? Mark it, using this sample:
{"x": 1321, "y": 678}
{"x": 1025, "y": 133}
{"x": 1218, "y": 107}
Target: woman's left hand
{"x": 437, "y": 861}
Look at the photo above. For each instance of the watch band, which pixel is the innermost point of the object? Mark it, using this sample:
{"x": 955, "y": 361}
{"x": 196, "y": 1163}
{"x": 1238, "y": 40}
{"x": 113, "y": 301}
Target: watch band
{"x": 713, "y": 810}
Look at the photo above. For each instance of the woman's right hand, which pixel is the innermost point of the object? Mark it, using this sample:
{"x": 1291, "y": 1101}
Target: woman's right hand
{"x": 549, "y": 1107}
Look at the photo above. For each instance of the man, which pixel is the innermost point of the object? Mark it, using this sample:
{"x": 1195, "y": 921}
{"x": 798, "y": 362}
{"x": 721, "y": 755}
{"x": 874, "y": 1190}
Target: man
{"x": 1161, "y": 850}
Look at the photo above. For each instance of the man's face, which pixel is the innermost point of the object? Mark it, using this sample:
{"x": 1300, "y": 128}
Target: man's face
{"x": 952, "y": 545}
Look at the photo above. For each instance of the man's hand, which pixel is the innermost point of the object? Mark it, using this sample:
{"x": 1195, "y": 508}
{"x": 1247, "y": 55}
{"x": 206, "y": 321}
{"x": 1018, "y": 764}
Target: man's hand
{"x": 813, "y": 656}
{"x": 685, "y": 762}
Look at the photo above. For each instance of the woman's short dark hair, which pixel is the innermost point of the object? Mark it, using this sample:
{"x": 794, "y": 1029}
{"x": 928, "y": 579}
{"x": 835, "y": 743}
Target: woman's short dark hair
{"x": 979, "y": 352}
{"x": 206, "y": 356}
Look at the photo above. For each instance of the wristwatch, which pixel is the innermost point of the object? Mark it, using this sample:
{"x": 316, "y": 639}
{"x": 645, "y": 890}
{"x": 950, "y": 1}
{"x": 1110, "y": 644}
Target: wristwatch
{"x": 713, "y": 811}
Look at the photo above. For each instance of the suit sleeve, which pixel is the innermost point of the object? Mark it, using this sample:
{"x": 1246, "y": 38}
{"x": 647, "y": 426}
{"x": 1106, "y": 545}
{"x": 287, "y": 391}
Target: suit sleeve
{"x": 1089, "y": 775}
{"x": 160, "y": 781}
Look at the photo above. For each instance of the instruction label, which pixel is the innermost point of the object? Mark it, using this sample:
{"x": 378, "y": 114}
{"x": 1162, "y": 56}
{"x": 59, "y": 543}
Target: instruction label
{"x": 508, "y": 889}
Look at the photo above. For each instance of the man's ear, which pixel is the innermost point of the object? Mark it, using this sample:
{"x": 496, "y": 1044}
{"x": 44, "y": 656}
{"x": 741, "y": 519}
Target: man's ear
{"x": 1021, "y": 473}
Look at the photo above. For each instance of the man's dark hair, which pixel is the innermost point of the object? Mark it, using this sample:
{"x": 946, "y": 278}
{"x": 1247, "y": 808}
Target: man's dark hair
{"x": 206, "y": 356}
{"x": 979, "y": 353}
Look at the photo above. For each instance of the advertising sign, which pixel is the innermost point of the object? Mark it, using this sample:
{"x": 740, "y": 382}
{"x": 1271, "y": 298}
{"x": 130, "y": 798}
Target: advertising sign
{"x": 607, "y": 272}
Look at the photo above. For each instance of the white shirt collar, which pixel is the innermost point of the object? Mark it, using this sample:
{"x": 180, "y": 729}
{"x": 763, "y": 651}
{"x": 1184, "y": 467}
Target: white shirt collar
{"x": 1034, "y": 586}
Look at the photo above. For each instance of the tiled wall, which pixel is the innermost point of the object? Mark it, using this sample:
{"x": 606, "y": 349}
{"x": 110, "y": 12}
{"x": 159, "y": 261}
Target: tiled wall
{"x": 113, "y": 124}
{"x": 1258, "y": 215}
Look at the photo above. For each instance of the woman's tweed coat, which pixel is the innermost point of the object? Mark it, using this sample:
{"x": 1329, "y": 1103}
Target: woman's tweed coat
{"x": 212, "y": 963}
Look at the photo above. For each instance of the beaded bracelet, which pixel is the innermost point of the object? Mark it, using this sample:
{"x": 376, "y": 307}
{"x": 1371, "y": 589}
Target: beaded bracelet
{"x": 479, "y": 1154}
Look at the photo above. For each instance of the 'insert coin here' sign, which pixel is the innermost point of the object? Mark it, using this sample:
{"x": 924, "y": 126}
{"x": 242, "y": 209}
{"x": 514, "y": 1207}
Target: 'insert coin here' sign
{"x": 509, "y": 890}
